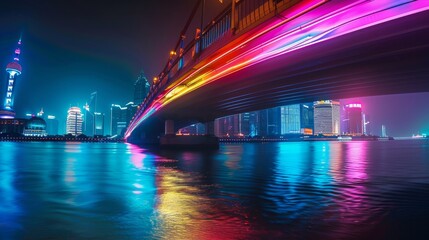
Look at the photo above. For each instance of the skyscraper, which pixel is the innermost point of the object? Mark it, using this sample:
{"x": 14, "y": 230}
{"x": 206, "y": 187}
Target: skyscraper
{"x": 247, "y": 124}
{"x": 89, "y": 114}
{"x": 118, "y": 122}
{"x": 269, "y": 122}
{"x": 227, "y": 126}
{"x": 290, "y": 118}
{"x": 307, "y": 118}
{"x": 74, "y": 121}
{"x": 99, "y": 124}
{"x": 366, "y": 124}
{"x": 141, "y": 88}
{"x": 353, "y": 119}
{"x": 13, "y": 69}
{"x": 120, "y": 117}
{"x": 51, "y": 125}
{"x": 327, "y": 117}
{"x": 297, "y": 119}
{"x": 383, "y": 131}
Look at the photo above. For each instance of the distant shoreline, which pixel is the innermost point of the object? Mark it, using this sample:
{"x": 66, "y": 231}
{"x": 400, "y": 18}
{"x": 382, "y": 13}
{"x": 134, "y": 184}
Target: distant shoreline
{"x": 57, "y": 139}
{"x": 307, "y": 139}
{"x": 221, "y": 140}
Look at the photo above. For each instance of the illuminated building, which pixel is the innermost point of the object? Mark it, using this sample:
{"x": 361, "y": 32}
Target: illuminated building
{"x": 269, "y": 122}
{"x": 366, "y": 124}
{"x": 327, "y": 117}
{"x": 35, "y": 127}
{"x": 141, "y": 88}
{"x": 12, "y": 127}
{"x": 383, "y": 131}
{"x": 307, "y": 119}
{"x": 118, "y": 120}
{"x": 353, "y": 119}
{"x": 99, "y": 124}
{"x": 52, "y": 125}
{"x": 120, "y": 117}
{"x": 248, "y": 124}
{"x": 237, "y": 125}
{"x": 13, "y": 69}
{"x": 74, "y": 121}
{"x": 89, "y": 110}
{"x": 290, "y": 119}
{"x": 297, "y": 119}
{"x": 227, "y": 126}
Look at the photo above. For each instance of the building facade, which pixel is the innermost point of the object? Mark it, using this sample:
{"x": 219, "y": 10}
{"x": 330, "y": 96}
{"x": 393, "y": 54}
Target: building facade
{"x": 12, "y": 127}
{"x": 52, "y": 125}
{"x": 120, "y": 118}
{"x": 327, "y": 117}
{"x": 74, "y": 121}
{"x": 269, "y": 122}
{"x": 99, "y": 124}
{"x": 35, "y": 127}
{"x": 297, "y": 119}
{"x": 227, "y": 126}
{"x": 353, "y": 119}
{"x": 290, "y": 118}
{"x": 141, "y": 88}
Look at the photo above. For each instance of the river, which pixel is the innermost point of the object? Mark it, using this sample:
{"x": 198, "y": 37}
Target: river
{"x": 285, "y": 190}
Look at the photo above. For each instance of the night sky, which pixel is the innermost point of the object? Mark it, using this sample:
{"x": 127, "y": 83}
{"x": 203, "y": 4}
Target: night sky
{"x": 73, "y": 48}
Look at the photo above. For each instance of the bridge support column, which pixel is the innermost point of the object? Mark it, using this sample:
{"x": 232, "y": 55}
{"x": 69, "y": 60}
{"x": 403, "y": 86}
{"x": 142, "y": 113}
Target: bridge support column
{"x": 199, "y": 142}
{"x": 169, "y": 127}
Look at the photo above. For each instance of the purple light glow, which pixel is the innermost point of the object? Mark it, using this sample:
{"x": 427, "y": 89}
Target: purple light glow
{"x": 283, "y": 36}
{"x": 354, "y": 105}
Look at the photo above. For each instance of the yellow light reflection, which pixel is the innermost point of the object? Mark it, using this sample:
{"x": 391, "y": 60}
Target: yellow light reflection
{"x": 187, "y": 212}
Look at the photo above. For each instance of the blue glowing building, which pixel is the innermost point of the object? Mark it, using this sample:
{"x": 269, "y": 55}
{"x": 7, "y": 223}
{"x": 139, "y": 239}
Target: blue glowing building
{"x": 13, "y": 69}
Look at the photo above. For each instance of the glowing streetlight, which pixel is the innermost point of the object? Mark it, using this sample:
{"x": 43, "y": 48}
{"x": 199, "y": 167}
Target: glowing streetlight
{"x": 155, "y": 80}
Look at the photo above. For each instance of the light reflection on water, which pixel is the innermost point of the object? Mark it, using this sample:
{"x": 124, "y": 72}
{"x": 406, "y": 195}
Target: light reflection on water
{"x": 322, "y": 190}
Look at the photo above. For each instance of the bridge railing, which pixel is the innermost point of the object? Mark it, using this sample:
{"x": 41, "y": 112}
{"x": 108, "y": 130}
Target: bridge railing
{"x": 183, "y": 57}
{"x": 246, "y": 13}
{"x": 217, "y": 28}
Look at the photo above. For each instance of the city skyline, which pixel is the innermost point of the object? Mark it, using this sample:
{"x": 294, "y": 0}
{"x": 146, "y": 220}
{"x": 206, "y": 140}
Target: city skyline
{"x": 214, "y": 119}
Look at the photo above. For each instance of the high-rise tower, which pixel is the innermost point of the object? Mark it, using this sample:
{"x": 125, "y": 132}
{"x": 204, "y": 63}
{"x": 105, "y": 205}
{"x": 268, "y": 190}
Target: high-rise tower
{"x": 353, "y": 117}
{"x": 327, "y": 117}
{"x": 74, "y": 121}
{"x": 13, "y": 69}
{"x": 141, "y": 88}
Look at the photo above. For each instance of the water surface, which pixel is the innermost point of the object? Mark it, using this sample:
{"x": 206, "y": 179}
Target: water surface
{"x": 293, "y": 190}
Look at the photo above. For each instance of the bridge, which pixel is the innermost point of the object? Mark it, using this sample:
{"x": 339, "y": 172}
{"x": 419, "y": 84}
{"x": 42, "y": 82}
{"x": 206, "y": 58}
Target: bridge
{"x": 259, "y": 54}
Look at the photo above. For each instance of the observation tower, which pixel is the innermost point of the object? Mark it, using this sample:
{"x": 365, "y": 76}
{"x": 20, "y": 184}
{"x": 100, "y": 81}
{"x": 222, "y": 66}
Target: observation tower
{"x": 13, "y": 69}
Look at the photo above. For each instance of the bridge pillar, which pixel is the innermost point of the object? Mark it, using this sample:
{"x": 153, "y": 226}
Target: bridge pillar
{"x": 200, "y": 142}
{"x": 169, "y": 127}
{"x": 209, "y": 128}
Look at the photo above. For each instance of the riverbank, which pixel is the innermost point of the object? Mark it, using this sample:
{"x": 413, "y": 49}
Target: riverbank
{"x": 58, "y": 139}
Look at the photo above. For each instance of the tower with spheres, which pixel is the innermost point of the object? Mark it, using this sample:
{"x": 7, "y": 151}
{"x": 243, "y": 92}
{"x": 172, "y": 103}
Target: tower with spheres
{"x": 13, "y": 70}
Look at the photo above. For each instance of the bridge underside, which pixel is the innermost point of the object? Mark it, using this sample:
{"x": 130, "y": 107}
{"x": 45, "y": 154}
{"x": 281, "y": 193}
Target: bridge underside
{"x": 384, "y": 59}
{"x": 388, "y": 58}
